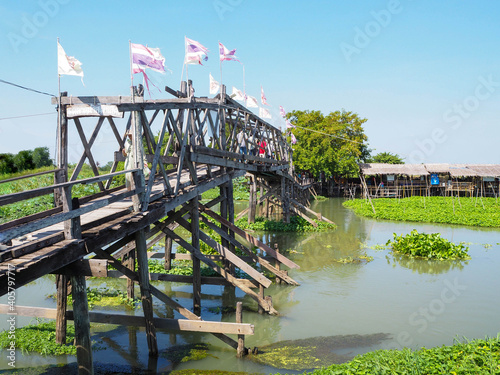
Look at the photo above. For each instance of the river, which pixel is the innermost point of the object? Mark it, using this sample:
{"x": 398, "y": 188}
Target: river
{"x": 416, "y": 302}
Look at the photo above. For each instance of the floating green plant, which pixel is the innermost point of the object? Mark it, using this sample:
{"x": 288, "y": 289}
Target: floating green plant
{"x": 186, "y": 353}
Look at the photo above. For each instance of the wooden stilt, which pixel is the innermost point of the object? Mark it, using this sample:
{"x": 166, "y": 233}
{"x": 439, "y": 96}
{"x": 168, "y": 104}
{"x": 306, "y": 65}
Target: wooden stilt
{"x": 147, "y": 303}
{"x": 277, "y": 263}
{"x": 129, "y": 262}
{"x": 195, "y": 242}
{"x": 241, "y": 351}
{"x": 252, "y": 204}
{"x": 82, "y": 326}
{"x": 168, "y": 253}
{"x": 261, "y": 295}
{"x": 62, "y": 300}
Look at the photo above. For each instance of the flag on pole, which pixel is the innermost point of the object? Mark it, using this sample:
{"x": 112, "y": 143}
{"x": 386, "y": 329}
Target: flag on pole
{"x": 237, "y": 94}
{"x": 225, "y": 54}
{"x": 214, "y": 86}
{"x": 68, "y": 65}
{"x": 263, "y": 97}
{"x": 294, "y": 140}
{"x": 252, "y": 102}
{"x": 144, "y": 57}
{"x": 282, "y": 112}
{"x": 264, "y": 113}
{"x": 195, "y": 52}
{"x": 289, "y": 125}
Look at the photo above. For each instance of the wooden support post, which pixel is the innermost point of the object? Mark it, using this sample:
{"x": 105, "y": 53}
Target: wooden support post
{"x": 252, "y": 204}
{"x": 129, "y": 262}
{"x": 261, "y": 295}
{"x": 168, "y": 252}
{"x": 62, "y": 150}
{"x": 82, "y": 326}
{"x": 62, "y": 301}
{"x": 285, "y": 204}
{"x": 195, "y": 242}
{"x": 147, "y": 302}
{"x": 277, "y": 263}
{"x": 241, "y": 351}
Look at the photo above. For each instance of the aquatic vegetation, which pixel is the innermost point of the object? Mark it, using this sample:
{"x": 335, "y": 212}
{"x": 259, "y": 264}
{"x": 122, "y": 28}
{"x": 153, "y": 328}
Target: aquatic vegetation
{"x": 379, "y": 247}
{"x": 430, "y": 246}
{"x": 359, "y": 259}
{"x": 106, "y": 297}
{"x": 211, "y": 372}
{"x": 316, "y": 352}
{"x": 319, "y": 198}
{"x": 447, "y": 210}
{"x": 487, "y": 245}
{"x": 469, "y": 357}
{"x": 40, "y": 338}
{"x": 424, "y": 265}
{"x": 186, "y": 353}
{"x": 296, "y": 224}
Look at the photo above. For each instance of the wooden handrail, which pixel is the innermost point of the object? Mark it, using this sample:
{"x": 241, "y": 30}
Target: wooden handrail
{"x": 23, "y": 195}
{"x": 30, "y": 175}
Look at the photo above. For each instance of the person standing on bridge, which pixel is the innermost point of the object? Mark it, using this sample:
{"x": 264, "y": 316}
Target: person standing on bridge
{"x": 241, "y": 138}
{"x": 262, "y": 148}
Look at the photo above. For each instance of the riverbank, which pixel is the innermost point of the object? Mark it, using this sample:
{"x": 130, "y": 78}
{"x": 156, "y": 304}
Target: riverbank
{"x": 480, "y": 212}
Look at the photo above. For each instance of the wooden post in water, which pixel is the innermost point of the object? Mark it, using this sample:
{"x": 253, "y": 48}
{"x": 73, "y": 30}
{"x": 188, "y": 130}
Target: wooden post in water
{"x": 241, "y": 351}
{"x": 147, "y": 302}
{"x": 261, "y": 295}
{"x": 82, "y": 326}
{"x": 168, "y": 252}
{"x": 277, "y": 263}
{"x": 62, "y": 150}
{"x": 62, "y": 301}
{"x": 129, "y": 262}
{"x": 252, "y": 204}
{"x": 195, "y": 242}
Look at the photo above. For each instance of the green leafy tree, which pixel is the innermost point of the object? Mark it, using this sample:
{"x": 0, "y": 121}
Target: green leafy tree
{"x": 333, "y": 144}
{"x": 386, "y": 157}
{"x": 23, "y": 160}
{"x": 7, "y": 164}
{"x": 41, "y": 157}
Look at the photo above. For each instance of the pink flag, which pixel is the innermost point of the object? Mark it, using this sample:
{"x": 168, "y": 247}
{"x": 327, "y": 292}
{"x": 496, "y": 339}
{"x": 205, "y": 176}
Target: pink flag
{"x": 195, "y": 52}
{"x": 282, "y": 112}
{"x": 289, "y": 125}
{"x": 262, "y": 96}
{"x": 144, "y": 57}
{"x": 294, "y": 140}
{"x": 225, "y": 54}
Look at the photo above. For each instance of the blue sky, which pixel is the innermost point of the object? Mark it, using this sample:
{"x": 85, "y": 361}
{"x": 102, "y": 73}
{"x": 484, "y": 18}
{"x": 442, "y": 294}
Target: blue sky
{"x": 425, "y": 74}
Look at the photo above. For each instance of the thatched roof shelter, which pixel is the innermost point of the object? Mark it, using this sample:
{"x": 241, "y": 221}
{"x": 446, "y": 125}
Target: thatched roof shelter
{"x": 485, "y": 170}
{"x": 396, "y": 169}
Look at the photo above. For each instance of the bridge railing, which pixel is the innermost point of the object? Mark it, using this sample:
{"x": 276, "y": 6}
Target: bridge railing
{"x": 190, "y": 132}
{"x": 68, "y": 211}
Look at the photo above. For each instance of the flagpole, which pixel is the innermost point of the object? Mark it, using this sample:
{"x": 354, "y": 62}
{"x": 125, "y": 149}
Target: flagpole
{"x": 220, "y": 66}
{"x": 59, "y": 109}
{"x": 131, "y": 71}
{"x": 244, "y": 87}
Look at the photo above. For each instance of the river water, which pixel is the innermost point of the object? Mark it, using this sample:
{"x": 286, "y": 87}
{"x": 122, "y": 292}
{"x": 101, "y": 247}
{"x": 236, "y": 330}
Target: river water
{"x": 416, "y": 302}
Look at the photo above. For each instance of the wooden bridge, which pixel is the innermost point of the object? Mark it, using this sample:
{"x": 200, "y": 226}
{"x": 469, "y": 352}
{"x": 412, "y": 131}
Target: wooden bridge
{"x": 196, "y": 149}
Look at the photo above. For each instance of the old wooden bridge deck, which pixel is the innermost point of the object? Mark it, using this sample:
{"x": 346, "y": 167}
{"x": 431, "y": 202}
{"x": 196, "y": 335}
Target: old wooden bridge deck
{"x": 196, "y": 149}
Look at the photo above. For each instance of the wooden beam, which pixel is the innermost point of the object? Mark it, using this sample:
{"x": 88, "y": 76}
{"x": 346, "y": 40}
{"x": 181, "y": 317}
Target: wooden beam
{"x": 85, "y": 267}
{"x": 82, "y": 325}
{"x": 284, "y": 260}
{"x": 138, "y": 321}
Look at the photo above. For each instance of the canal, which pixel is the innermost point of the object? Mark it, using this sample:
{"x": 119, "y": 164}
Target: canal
{"x": 413, "y": 302}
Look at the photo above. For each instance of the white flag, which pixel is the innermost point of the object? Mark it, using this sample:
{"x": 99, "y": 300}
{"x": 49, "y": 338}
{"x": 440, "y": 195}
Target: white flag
{"x": 68, "y": 65}
{"x": 214, "y": 86}
{"x": 252, "y": 102}
{"x": 264, "y": 113}
{"x": 237, "y": 94}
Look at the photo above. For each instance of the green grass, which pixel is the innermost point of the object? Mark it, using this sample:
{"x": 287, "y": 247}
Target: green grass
{"x": 465, "y": 358}
{"x": 483, "y": 212}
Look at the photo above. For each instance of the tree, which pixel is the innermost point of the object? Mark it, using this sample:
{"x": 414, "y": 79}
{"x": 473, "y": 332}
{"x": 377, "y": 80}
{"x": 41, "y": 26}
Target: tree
{"x": 332, "y": 144}
{"x": 24, "y": 160}
{"x": 41, "y": 157}
{"x": 386, "y": 157}
{"x": 7, "y": 164}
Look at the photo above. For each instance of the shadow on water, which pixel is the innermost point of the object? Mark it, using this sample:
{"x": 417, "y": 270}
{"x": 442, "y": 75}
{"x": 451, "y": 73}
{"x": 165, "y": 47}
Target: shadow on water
{"x": 424, "y": 266}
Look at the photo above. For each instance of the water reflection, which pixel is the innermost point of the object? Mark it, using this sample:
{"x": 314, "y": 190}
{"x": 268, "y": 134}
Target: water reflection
{"x": 429, "y": 266}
